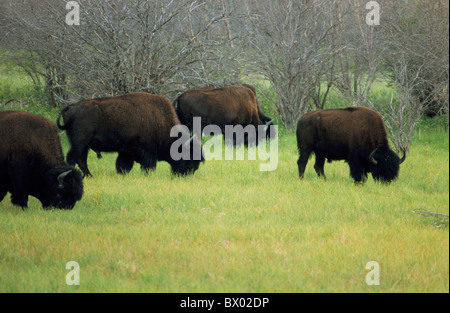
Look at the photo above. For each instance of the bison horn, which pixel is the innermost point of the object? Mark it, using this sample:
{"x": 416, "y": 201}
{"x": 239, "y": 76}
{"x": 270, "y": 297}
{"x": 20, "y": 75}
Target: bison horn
{"x": 268, "y": 123}
{"x": 62, "y": 176}
{"x": 372, "y": 159}
{"x": 187, "y": 143}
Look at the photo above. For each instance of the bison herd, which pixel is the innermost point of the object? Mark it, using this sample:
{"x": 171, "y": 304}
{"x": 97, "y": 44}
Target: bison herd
{"x": 138, "y": 127}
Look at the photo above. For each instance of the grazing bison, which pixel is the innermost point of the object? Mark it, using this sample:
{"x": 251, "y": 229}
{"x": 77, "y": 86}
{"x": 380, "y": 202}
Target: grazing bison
{"x": 228, "y": 105}
{"x": 136, "y": 125}
{"x": 32, "y": 163}
{"x": 356, "y": 135}
{"x": 263, "y": 118}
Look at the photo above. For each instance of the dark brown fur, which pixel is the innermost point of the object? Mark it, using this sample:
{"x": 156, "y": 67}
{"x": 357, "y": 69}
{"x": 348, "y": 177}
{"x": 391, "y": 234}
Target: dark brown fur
{"x": 353, "y": 135}
{"x": 136, "y": 125}
{"x": 228, "y": 105}
{"x": 31, "y": 159}
{"x": 234, "y": 104}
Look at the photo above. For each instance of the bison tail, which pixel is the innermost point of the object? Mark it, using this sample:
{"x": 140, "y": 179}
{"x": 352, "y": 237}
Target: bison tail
{"x": 176, "y": 103}
{"x": 67, "y": 117}
{"x": 58, "y": 120}
{"x": 58, "y": 124}
{"x": 178, "y": 112}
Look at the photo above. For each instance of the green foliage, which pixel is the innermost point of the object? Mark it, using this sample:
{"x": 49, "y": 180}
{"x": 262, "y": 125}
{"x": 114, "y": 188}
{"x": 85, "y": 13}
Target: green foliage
{"x": 16, "y": 85}
{"x": 231, "y": 228}
{"x": 437, "y": 122}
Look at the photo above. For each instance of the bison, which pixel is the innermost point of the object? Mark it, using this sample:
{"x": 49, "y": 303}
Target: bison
{"x": 263, "y": 118}
{"x": 137, "y": 126}
{"x": 32, "y": 163}
{"x": 356, "y": 135}
{"x": 227, "y": 105}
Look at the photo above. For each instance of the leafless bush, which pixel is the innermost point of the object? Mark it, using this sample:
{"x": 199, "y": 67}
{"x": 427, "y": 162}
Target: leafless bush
{"x": 359, "y": 63}
{"x": 121, "y": 46}
{"x": 33, "y": 41}
{"x": 403, "y": 110}
{"x": 303, "y": 48}
{"x": 417, "y": 32}
{"x": 416, "y": 66}
{"x": 294, "y": 49}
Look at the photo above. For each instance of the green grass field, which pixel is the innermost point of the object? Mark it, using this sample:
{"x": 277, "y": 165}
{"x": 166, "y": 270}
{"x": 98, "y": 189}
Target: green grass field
{"x": 232, "y": 228}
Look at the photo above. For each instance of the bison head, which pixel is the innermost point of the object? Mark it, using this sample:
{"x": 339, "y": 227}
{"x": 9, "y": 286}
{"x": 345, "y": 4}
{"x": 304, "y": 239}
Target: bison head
{"x": 189, "y": 165}
{"x": 270, "y": 132}
{"x": 386, "y": 164}
{"x": 63, "y": 188}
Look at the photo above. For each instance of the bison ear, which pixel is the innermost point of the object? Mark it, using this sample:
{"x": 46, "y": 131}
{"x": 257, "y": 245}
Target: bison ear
{"x": 62, "y": 176}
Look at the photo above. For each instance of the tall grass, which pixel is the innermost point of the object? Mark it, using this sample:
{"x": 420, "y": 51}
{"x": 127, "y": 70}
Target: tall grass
{"x": 231, "y": 228}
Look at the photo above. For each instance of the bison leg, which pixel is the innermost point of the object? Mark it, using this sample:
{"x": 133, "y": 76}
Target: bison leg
{"x": 19, "y": 199}
{"x": 319, "y": 166}
{"x": 82, "y": 163}
{"x": 302, "y": 161}
{"x": 2, "y": 194}
{"x": 20, "y": 176}
{"x": 79, "y": 157}
{"x": 149, "y": 163}
{"x": 147, "y": 156}
{"x": 124, "y": 163}
{"x": 357, "y": 171}
{"x": 3, "y": 187}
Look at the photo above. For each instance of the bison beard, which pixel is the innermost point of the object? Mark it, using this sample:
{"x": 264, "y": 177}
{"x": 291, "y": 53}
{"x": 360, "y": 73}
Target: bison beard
{"x": 356, "y": 135}
{"x": 386, "y": 164}
{"x": 232, "y": 105}
{"x": 32, "y": 163}
{"x": 136, "y": 125}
